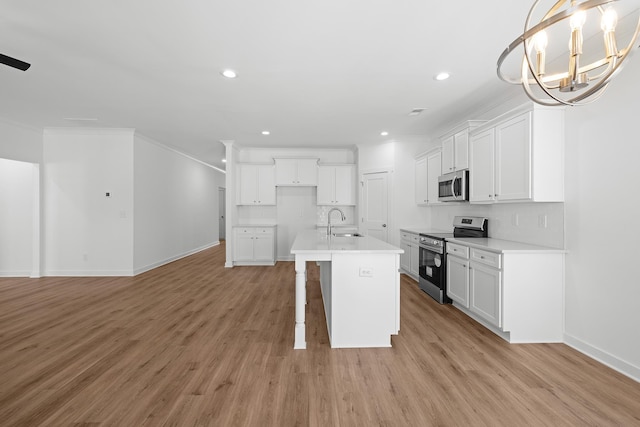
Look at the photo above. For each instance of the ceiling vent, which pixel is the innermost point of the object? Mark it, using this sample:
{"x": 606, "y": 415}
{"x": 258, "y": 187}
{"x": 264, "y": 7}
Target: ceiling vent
{"x": 416, "y": 111}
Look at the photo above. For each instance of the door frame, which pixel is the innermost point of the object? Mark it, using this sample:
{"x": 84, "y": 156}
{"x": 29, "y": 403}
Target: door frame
{"x": 391, "y": 228}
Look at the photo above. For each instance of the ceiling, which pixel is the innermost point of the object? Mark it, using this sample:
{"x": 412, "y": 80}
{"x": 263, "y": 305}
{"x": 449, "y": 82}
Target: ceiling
{"x": 329, "y": 73}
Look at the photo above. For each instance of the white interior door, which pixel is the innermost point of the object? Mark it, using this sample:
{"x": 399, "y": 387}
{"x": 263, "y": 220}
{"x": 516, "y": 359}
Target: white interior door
{"x": 222, "y": 226}
{"x": 375, "y": 205}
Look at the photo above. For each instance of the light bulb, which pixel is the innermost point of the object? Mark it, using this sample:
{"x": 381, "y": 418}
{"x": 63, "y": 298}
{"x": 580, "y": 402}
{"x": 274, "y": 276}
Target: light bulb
{"x": 609, "y": 20}
{"x": 540, "y": 41}
{"x": 578, "y": 19}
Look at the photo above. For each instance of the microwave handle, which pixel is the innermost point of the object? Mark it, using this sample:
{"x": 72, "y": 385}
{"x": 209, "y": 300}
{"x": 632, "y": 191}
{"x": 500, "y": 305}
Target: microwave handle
{"x": 453, "y": 190}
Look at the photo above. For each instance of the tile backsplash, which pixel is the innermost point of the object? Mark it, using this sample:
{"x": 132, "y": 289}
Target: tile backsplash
{"x": 533, "y": 223}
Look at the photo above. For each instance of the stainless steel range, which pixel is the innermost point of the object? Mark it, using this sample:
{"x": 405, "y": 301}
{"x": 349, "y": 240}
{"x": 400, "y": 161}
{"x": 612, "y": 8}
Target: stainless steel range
{"x": 433, "y": 254}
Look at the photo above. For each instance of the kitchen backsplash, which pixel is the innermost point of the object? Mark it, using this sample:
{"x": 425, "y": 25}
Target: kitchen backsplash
{"x": 533, "y": 223}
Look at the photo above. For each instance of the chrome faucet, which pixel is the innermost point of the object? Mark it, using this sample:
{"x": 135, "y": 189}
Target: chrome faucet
{"x": 343, "y": 217}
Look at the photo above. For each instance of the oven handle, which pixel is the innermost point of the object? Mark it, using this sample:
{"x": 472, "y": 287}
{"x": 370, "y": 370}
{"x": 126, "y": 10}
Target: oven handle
{"x": 430, "y": 249}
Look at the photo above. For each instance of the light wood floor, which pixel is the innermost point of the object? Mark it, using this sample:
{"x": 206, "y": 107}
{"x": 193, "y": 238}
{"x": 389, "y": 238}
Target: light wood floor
{"x": 193, "y": 343}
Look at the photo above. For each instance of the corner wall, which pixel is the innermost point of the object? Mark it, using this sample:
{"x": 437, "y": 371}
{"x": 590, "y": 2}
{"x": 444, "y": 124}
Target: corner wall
{"x": 602, "y": 234}
{"x": 87, "y": 233}
{"x": 17, "y": 213}
{"x": 175, "y": 202}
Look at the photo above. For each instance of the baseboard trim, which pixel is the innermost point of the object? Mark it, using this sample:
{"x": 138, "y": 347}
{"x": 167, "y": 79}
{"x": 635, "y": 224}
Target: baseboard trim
{"x": 603, "y": 357}
{"x": 25, "y": 273}
{"x": 157, "y": 264}
{"x": 88, "y": 273}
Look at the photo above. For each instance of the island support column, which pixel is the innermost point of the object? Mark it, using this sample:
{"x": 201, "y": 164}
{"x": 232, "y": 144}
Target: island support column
{"x": 300, "y": 342}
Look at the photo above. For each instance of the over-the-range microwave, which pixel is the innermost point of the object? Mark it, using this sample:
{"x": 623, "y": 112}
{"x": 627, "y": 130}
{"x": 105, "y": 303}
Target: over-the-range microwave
{"x": 454, "y": 186}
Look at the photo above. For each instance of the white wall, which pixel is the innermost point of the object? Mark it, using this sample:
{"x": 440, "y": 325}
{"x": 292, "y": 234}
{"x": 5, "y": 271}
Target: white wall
{"x": 518, "y": 222}
{"x": 602, "y": 207}
{"x": 175, "y": 203}
{"x": 18, "y": 142}
{"x": 17, "y": 188}
{"x": 85, "y": 232}
{"x": 398, "y": 156}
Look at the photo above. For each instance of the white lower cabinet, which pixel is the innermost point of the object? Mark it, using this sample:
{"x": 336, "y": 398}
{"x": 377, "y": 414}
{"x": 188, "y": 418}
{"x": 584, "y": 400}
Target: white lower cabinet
{"x": 516, "y": 292}
{"x": 254, "y": 245}
{"x": 485, "y": 288}
{"x": 458, "y": 274}
{"x": 410, "y": 259}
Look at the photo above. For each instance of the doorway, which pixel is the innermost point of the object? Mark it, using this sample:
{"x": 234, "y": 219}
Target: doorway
{"x": 375, "y": 205}
{"x": 222, "y": 226}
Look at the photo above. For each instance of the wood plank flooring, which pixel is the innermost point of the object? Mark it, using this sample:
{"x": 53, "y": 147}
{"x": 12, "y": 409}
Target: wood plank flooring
{"x": 194, "y": 344}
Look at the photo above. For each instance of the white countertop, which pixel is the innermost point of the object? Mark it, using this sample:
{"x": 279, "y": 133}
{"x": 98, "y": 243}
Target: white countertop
{"x": 254, "y": 225}
{"x": 317, "y": 241}
{"x": 503, "y": 246}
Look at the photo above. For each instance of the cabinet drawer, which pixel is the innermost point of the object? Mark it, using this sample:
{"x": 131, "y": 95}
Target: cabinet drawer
{"x": 263, "y": 230}
{"x": 458, "y": 250}
{"x": 245, "y": 230}
{"x": 409, "y": 237}
{"x": 486, "y": 257}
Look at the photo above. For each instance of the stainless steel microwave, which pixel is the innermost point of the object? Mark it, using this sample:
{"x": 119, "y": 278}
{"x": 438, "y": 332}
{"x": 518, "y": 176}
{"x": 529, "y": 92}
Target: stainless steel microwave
{"x": 454, "y": 186}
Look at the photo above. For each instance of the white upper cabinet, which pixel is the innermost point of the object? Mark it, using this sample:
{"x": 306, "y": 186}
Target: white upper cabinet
{"x": 421, "y": 173}
{"x": 455, "y": 147}
{"x": 482, "y": 173}
{"x": 296, "y": 172}
{"x": 427, "y": 172}
{"x": 336, "y": 185}
{"x": 256, "y": 184}
{"x": 518, "y": 156}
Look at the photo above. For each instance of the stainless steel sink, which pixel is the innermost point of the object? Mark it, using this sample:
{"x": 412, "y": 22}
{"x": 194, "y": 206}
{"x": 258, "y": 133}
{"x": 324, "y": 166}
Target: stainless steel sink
{"x": 347, "y": 235}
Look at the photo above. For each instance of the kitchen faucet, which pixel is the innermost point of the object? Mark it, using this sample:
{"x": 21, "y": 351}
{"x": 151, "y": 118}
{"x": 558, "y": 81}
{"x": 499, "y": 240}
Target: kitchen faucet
{"x": 343, "y": 217}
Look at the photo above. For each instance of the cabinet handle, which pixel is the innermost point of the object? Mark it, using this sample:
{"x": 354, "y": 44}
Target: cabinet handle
{"x": 481, "y": 257}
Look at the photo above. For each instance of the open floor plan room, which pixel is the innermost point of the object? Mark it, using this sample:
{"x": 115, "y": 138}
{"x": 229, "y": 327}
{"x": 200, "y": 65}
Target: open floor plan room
{"x": 193, "y": 343}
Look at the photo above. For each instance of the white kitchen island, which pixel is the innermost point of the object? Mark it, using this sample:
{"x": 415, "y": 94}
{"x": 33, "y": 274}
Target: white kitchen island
{"x": 360, "y": 282}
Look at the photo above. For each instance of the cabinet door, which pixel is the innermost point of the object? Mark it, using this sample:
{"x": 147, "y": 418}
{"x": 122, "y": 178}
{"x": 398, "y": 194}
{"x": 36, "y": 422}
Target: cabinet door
{"x": 486, "y": 293}
{"x": 461, "y": 150}
{"x": 286, "y": 171}
{"x": 248, "y": 176}
{"x": 405, "y": 258}
{"x": 415, "y": 260}
{"x": 434, "y": 165}
{"x": 243, "y": 248}
{"x": 482, "y": 167}
{"x": 326, "y": 185}
{"x": 345, "y": 178}
{"x": 421, "y": 186}
{"x": 447, "y": 155}
{"x": 513, "y": 158}
{"x": 266, "y": 185}
{"x": 458, "y": 280}
{"x": 263, "y": 248}
{"x": 308, "y": 172}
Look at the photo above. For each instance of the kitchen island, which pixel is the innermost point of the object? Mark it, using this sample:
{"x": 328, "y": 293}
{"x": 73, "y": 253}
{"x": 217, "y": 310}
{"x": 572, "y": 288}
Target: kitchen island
{"x": 360, "y": 283}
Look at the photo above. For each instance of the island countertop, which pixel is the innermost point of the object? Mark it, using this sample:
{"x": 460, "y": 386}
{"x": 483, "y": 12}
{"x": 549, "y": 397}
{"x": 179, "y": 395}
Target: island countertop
{"x": 317, "y": 241}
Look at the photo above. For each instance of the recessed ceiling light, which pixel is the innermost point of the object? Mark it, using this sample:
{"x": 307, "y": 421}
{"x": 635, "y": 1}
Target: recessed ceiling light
{"x": 224, "y": 160}
{"x": 384, "y": 133}
{"x": 442, "y": 76}
{"x": 230, "y": 74}
{"x": 266, "y": 132}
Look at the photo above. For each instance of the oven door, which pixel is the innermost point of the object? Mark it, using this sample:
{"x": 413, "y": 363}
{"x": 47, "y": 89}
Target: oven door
{"x": 432, "y": 267}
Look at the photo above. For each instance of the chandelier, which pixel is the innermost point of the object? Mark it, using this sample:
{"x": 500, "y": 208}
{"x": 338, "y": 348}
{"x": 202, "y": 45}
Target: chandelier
{"x": 578, "y": 82}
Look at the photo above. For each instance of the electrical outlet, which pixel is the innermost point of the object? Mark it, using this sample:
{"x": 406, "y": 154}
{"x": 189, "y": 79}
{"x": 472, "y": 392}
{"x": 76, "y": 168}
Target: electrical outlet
{"x": 515, "y": 220}
{"x": 366, "y": 272}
